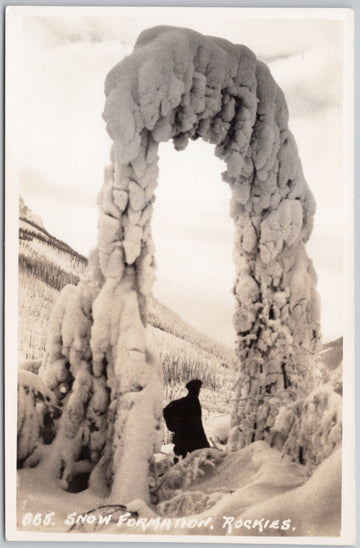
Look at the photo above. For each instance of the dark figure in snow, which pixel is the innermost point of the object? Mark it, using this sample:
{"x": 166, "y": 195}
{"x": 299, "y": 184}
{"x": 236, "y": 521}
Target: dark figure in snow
{"x": 183, "y": 417}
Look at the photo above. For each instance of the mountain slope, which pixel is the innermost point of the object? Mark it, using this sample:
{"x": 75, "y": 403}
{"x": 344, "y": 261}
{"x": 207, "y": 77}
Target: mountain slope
{"x": 47, "y": 264}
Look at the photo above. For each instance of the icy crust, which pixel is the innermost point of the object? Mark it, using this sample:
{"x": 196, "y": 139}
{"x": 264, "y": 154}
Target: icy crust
{"x": 178, "y": 84}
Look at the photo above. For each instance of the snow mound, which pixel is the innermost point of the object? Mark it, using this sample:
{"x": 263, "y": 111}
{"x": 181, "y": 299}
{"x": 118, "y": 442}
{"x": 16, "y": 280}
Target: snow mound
{"x": 314, "y": 427}
{"x": 34, "y": 403}
{"x": 30, "y": 365}
{"x": 220, "y": 430}
{"x": 313, "y": 508}
{"x": 271, "y": 496}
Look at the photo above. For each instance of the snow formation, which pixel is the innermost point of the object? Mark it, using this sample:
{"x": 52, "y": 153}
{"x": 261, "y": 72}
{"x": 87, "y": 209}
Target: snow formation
{"x": 180, "y": 85}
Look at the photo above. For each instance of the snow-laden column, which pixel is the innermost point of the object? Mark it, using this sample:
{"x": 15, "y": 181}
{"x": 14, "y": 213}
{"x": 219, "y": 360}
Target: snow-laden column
{"x": 277, "y": 305}
{"x": 178, "y": 84}
{"x": 108, "y": 382}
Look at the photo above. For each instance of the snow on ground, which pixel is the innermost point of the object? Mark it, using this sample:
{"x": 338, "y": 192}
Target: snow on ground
{"x": 315, "y": 507}
{"x": 254, "y": 490}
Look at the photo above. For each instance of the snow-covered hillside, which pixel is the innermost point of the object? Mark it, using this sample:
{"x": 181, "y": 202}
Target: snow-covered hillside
{"x": 47, "y": 264}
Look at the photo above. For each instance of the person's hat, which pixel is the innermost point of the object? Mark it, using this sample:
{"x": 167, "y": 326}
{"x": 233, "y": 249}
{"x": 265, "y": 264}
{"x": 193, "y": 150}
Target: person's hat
{"x": 194, "y": 384}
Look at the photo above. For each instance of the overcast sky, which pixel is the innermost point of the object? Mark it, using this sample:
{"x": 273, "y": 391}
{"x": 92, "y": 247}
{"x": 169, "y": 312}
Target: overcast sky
{"x": 60, "y": 145}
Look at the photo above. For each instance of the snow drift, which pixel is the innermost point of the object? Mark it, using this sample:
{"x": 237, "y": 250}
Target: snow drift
{"x": 253, "y": 491}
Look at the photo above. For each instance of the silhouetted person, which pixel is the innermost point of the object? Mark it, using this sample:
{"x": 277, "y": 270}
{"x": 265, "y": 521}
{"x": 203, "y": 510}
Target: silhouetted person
{"x": 183, "y": 417}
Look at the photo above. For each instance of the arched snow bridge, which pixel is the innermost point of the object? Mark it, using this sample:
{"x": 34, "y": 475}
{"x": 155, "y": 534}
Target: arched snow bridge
{"x": 180, "y": 85}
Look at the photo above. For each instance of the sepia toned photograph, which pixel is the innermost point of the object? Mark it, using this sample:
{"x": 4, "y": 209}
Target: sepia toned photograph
{"x": 179, "y": 338}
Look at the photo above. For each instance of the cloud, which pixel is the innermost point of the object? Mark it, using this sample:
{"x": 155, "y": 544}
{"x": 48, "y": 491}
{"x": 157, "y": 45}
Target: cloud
{"x": 269, "y": 36}
{"x": 311, "y": 80}
{"x": 196, "y": 281}
{"x": 210, "y": 312}
{"x": 32, "y": 182}
{"x": 60, "y": 31}
{"x": 319, "y": 140}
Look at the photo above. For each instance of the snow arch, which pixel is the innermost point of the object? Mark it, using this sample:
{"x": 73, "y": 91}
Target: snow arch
{"x": 180, "y": 85}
